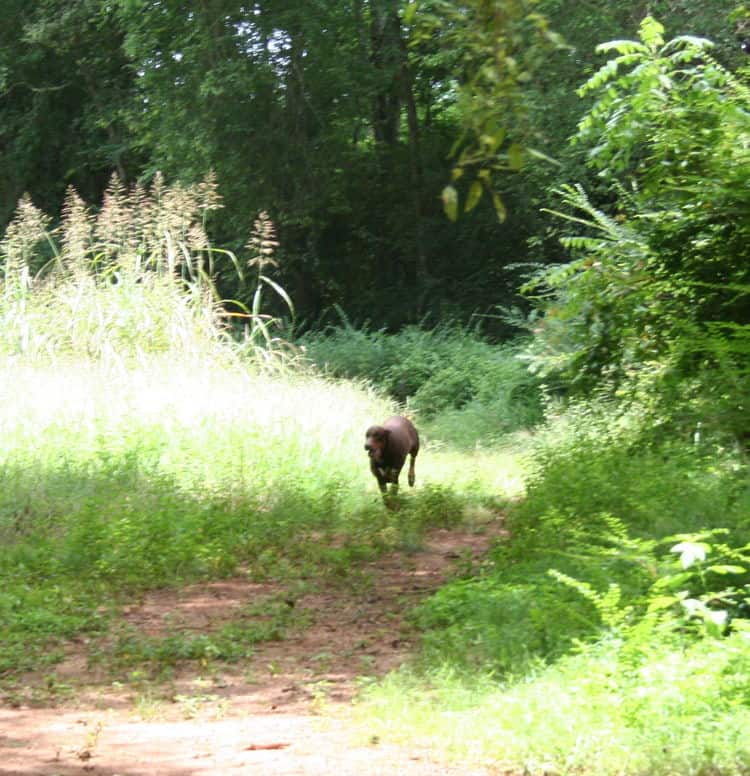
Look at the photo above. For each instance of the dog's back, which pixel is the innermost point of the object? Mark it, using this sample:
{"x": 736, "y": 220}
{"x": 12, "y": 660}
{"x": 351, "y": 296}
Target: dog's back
{"x": 388, "y": 445}
{"x": 403, "y": 439}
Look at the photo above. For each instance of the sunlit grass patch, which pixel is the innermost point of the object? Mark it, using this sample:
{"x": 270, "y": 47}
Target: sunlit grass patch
{"x": 497, "y": 470}
{"x": 682, "y": 709}
{"x": 116, "y": 480}
{"x": 199, "y": 422}
{"x": 120, "y": 479}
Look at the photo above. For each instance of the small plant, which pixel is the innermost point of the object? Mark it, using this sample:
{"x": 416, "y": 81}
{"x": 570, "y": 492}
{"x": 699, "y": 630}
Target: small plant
{"x": 698, "y": 586}
{"x": 259, "y": 337}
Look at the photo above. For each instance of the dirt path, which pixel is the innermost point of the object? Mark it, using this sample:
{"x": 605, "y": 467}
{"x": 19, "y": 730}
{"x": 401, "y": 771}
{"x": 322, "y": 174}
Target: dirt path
{"x": 284, "y": 711}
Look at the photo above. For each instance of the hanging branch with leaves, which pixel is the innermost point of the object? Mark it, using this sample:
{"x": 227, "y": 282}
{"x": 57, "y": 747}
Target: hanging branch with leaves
{"x": 500, "y": 45}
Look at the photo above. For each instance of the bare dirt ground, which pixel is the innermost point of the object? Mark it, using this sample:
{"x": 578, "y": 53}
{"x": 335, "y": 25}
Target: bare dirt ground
{"x": 286, "y": 710}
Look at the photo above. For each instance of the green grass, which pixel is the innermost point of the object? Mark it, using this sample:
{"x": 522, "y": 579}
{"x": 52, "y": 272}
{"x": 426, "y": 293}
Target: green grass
{"x": 142, "y": 447}
{"x": 120, "y": 480}
{"x": 682, "y": 709}
{"x": 114, "y": 482}
{"x": 128, "y": 648}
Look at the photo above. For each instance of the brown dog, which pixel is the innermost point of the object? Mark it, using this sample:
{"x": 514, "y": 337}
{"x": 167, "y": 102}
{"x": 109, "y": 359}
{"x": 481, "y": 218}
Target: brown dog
{"x": 388, "y": 445}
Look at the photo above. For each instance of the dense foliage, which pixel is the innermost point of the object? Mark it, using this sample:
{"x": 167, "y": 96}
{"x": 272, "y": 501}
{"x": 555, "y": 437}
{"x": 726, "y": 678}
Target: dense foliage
{"x": 462, "y": 388}
{"x": 660, "y": 275}
{"x": 343, "y": 122}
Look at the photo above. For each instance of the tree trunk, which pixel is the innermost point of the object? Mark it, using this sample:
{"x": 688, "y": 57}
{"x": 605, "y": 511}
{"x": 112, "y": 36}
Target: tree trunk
{"x": 406, "y": 82}
{"x": 385, "y": 53}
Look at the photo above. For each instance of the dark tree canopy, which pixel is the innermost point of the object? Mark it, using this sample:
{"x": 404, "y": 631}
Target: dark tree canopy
{"x": 342, "y": 120}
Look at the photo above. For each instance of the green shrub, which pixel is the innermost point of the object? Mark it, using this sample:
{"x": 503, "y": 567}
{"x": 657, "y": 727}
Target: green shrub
{"x": 598, "y": 456}
{"x": 462, "y": 388}
{"x": 658, "y": 280}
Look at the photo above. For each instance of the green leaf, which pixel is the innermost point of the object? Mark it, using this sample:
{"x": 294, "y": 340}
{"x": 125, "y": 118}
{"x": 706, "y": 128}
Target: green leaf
{"x": 689, "y": 40}
{"x": 544, "y": 157}
{"x": 450, "y": 202}
{"x": 410, "y": 12}
{"x": 475, "y": 194}
{"x": 500, "y": 209}
{"x": 280, "y": 291}
{"x": 256, "y": 300}
{"x": 515, "y": 156}
{"x": 661, "y": 602}
{"x": 726, "y": 569}
{"x": 623, "y": 46}
{"x": 652, "y": 33}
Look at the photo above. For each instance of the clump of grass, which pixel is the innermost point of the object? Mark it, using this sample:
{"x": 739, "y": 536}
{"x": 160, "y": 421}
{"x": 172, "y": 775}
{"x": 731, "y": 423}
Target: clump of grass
{"x": 597, "y": 457}
{"x": 232, "y": 641}
{"x": 130, "y": 281}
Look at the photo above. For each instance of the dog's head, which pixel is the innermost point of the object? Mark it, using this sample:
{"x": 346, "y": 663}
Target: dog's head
{"x": 376, "y": 441}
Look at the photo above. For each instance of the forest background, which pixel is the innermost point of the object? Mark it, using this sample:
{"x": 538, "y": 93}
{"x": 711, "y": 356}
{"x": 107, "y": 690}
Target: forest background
{"x": 340, "y": 120}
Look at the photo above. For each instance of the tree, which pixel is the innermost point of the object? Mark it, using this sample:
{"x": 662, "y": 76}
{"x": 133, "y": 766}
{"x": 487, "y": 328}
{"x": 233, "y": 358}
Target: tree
{"x": 661, "y": 276}
{"x": 64, "y": 84}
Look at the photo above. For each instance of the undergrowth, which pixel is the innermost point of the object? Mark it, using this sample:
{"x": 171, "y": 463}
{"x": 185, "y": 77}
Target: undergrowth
{"x": 463, "y": 389}
{"x": 682, "y": 709}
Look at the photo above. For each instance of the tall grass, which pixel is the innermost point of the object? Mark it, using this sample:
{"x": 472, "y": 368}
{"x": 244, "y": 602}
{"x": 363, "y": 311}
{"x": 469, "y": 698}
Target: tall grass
{"x": 131, "y": 281}
{"x": 143, "y": 447}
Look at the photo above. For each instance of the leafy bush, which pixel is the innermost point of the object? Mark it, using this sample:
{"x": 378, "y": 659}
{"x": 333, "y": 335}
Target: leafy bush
{"x": 604, "y": 457}
{"x": 617, "y": 614}
{"x": 659, "y": 275}
{"x": 589, "y": 643}
{"x": 463, "y": 387}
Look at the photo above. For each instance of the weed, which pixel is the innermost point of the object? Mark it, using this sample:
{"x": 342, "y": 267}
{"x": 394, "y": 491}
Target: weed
{"x": 197, "y": 706}
{"x": 319, "y": 693}
{"x": 149, "y": 707}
